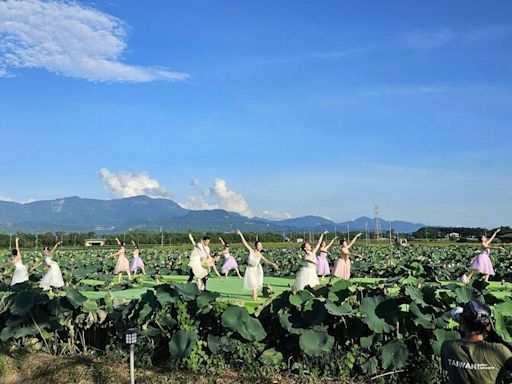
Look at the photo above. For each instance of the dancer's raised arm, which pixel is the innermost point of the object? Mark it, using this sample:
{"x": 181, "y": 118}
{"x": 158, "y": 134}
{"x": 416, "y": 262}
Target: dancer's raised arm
{"x": 354, "y": 240}
{"x": 191, "y": 238}
{"x": 266, "y": 261}
{"x": 118, "y": 242}
{"x": 17, "y": 241}
{"x": 320, "y": 240}
{"x": 331, "y": 243}
{"x": 55, "y": 248}
{"x": 222, "y": 241}
{"x": 494, "y": 235}
{"x": 244, "y": 241}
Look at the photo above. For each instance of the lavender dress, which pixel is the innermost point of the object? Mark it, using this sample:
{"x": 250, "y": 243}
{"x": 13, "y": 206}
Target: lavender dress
{"x": 229, "y": 264}
{"x": 137, "y": 262}
{"x": 482, "y": 263}
{"x": 322, "y": 265}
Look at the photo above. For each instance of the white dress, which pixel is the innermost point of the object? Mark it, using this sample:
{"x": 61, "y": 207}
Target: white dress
{"x": 253, "y": 278}
{"x": 307, "y": 274}
{"x": 52, "y": 278}
{"x": 198, "y": 256}
{"x": 20, "y": 273}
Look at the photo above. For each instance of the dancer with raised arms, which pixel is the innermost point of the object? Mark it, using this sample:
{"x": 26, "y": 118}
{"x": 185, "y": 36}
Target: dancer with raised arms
{"x": 343, "y": 264}
{"x": 201, "y": 261}
{"x": 229, "y": 261}
{"x": 322, "y": 264}
{"x": 137, "y": 262}
{"x": 253, "y": 278}
{"x": 482, "y": 262}
{"x": 20, "y": 274}
{"x": 122, "y": 265}
{"x": 307, "y": 275}
{"x": 53, "y": 277}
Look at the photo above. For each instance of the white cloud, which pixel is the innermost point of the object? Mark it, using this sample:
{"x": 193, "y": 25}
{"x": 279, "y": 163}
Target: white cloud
{"x": 127, "y": 184}
{"x": 6, "y": 198}
{"x": 275, "y": 215}
{"x": 218, "y": 197}
{"x": 69, "y": 39}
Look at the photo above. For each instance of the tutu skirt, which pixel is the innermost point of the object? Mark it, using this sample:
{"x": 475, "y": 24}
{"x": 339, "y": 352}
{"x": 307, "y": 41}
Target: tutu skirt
{"x": 342, "y": 268}
{"x": 137, "y": 263}
{"x": 52, "y": 278}
{"x": 306, "y": 276}
{"x": 20, "y": 273}
{"x": 253, "y": 278}
{"x": 482, "y": 263}
{"x": 197, "y": 268}
{"x": 229, "y": 264}
{"x": 123, "y": 265}
{"x": 322, "y": 265}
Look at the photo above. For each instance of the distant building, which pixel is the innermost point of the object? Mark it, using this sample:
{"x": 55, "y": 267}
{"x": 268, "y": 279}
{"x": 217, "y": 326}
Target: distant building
{"x": 94, "y": 243}
{"x": 454, "y": 236}
{"x": 300, "y": 240}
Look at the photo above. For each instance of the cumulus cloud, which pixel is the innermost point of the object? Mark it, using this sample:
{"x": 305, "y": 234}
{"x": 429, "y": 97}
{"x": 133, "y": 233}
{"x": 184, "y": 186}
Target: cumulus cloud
{"x": 218, "y": 197}
{"x": 127, "y": 184}
{"x": 69, "y": 39}
{"x": 6, "y": 198}
{"x": 275, "y": 215}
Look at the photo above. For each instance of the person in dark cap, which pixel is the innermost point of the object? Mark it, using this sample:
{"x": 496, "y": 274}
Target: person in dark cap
{"x": 481, "y": 356}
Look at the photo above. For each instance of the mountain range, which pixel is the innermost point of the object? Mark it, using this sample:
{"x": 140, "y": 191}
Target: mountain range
{"x": 144, "y": 213}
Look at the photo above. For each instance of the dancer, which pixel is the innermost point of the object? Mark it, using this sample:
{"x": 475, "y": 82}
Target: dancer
{"x": 53, "y": 277}
{"x": 322, "y": 264}
{"x": 201, "y": 261}
{"x": 229, "y": 261}
{"x": 307, "y": 274}
{"x": 20, "y": 274}
{"x": 137, "y": 262}
{"x": 253, "y": 278}
{"x": 343, "y": 264}
{"x": 482, "y": 262}
{"x": 122, "y": 265}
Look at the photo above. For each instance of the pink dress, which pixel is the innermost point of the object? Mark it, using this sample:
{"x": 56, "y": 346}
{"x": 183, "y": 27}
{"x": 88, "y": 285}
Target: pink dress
{"x": 322, "y": 265}
{"x": 123, "y": 265}
{"x": 342, "y": 267}
{"x": 482, "y": 263}
{"x": 229, "y": 264}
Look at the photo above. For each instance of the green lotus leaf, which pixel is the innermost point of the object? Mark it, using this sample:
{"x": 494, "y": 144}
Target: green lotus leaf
{"x": 74, "y": 297}
{"x": 375, "y": 322}
{"x": 238, "y": 320}
{"x": 370, "y": 366}
{"x": 22, "y": 303}
{"x": 182, "y": 343}
{"x": 315, "y": 342}
{"x": 271, "y": 357}
{"x": 300, "y": 298}
{"x": 339, "y": 310}
{"x": 394, "y": 355}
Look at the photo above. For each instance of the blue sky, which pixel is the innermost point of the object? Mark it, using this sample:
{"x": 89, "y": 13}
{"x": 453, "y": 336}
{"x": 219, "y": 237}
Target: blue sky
{"x": 295, "y": 107}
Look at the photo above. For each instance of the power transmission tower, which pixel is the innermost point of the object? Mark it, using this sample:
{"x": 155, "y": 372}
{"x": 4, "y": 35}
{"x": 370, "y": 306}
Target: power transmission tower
{"x": 378, "y": 231}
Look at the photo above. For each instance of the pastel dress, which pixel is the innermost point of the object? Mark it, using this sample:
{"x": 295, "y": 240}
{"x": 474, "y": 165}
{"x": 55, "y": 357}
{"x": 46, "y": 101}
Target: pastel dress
{"x": 199, "y": 254}
{"x": 229, "y": 263}
{"x": 253, "y": 278}
{"x": 342, "y": 266}
{"x": 482, "y": 263}
{"x": 322, "y": 265}
{"x": 122, "y": 265}
{"x": 307, "y": 274}
{"x": 52, "y": 278}
{"x": 137, "y": 262}
{"x": 20, "y": 274}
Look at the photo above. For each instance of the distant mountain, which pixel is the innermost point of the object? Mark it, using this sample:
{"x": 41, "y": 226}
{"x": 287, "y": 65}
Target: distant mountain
{"x": 144, "y": 213}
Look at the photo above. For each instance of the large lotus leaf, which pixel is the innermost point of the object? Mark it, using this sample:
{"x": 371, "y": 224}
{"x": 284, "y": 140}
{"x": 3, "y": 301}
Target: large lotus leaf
{"x": 375, "y": 322}
{"x": 166, "y": 295}
{"x": 420, "y": 318}
{"x": 206, "y": 298}
{"x": 416, "y": 295}
{"x": 149, "y": 304}
{"x": 441, "y": 336}
{"x": 187, "y": 292}
{"x": 314, "y": 312}
{"x": 370, "y": 366}
{"x": 465, "y": 294}
{"x": 315, "y": 342}
{"x": 90, "y": 306}
{"x": 74, "y": 297}
{"x": 182, "y": 343}
{"x": 503, "y": 320}
{"x": 271, "y": 357}
{"x": 22, "y": 303}
{"x": 17, "y": 332}
{"x": 339, "y": 310}
{"x": 340, "y": 291}
{"x": 238, "y": 320}
{"x": 300, "y": 298}
{"x": 285, "y": 319}
{"x": 394, "y": 355}
{"x": 367, "y": 341}
{"x": 218, "y": 343}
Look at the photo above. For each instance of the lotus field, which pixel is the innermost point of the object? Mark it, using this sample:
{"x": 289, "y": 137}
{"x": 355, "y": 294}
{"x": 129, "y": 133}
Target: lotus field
{"x": 387, "y": 323}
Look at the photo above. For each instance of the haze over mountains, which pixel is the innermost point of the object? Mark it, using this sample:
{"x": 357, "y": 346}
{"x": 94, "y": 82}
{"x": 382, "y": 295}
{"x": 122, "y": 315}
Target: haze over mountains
{"x": 145, "y": 213}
